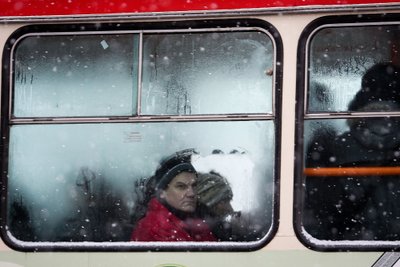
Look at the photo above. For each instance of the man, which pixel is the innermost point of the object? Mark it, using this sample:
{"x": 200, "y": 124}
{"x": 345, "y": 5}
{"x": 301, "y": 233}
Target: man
{"x": 170, "y": 213}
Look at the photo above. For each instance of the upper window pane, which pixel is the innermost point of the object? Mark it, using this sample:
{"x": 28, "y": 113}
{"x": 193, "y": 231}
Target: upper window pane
{"x": 182, "y": 74}
{"x": 75, "y": 75}
{"x": 339, "y": 56}
{"x": 207, "y": 73}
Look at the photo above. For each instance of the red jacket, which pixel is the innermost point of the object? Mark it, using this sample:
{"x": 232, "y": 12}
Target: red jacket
{"x": 160, "y": 224}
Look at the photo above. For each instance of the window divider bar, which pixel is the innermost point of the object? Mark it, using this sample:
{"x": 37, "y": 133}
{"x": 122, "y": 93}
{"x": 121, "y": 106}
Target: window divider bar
{"x": 139, "y": 79}
{"x": 349, "y": 115}
{"x": 146, "y": 118}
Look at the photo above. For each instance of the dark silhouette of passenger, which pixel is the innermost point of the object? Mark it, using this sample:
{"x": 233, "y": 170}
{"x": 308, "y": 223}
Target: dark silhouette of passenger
{"x": 354, "y": 207}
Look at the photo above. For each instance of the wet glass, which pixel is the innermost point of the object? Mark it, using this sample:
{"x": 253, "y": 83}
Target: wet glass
{"x": 351, "y": 160}
{"x": 77, "y": 167}
{"x": 339, "y": 56}
{"x": 76, "y": 182}
{"x": 207, "y": 73}
{"x": 75, "y": 75}
{"x": 351, "y": 179}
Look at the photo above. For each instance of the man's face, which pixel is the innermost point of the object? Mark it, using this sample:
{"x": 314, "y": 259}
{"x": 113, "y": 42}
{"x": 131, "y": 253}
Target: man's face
{"x": 180, "y": 192}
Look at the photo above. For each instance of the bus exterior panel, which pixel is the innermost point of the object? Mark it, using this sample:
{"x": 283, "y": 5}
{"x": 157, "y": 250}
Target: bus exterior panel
{"x": 36, "y": 124}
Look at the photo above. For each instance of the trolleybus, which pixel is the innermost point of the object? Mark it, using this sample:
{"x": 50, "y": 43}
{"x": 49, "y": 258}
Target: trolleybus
{"x": 296, "y": 104}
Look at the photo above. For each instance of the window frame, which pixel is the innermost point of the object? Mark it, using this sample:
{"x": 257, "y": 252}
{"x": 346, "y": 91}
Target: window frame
{"x": 7, "y": 121}
{"x": 302, "y": 115}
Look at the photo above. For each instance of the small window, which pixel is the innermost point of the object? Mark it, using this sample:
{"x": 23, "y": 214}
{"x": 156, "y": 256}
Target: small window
{"x": 75, "y": 75}
{"x": 200, "y": 62}
{"x": 92, "y": 114}
{"x": 350, "y": 141}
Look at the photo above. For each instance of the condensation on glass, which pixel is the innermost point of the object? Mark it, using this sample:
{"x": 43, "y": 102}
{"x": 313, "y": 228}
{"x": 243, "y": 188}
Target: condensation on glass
{"x": 183, "y": 74}
{"x": 207, "y": 73}
{"x": 81, "y": 137}
{"x": 351, "y": 135}
{"x": 75, "y": 75}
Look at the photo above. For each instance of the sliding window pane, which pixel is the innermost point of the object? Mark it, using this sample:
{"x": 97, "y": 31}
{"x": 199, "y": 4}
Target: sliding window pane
{"x": 75, "y": 75}
{"x": 207, "y": 73}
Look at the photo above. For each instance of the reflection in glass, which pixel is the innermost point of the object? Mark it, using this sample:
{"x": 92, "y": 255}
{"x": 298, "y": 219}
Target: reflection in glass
{"x": 73, "y": 75}
{"x": 76, "y": 182}
{"x": 207, "y": 73}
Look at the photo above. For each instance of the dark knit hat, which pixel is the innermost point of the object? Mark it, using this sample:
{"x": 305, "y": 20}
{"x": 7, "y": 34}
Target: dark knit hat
{"x": 380, "y": 83}
{"x": 173, "y": 165}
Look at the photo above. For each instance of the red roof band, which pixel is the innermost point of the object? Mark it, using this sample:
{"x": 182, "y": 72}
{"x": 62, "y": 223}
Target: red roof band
{"x": 17, "y": 8}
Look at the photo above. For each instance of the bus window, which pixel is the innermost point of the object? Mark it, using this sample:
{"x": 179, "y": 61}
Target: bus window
{"x": 92, "y": 113}
{"x": 351, "y": 142}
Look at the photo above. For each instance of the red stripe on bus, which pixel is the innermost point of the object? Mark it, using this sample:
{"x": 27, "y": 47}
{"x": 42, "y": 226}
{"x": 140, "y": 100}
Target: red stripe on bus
{"x": 352, "y": 171}
{"x": 15, "y": 8}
